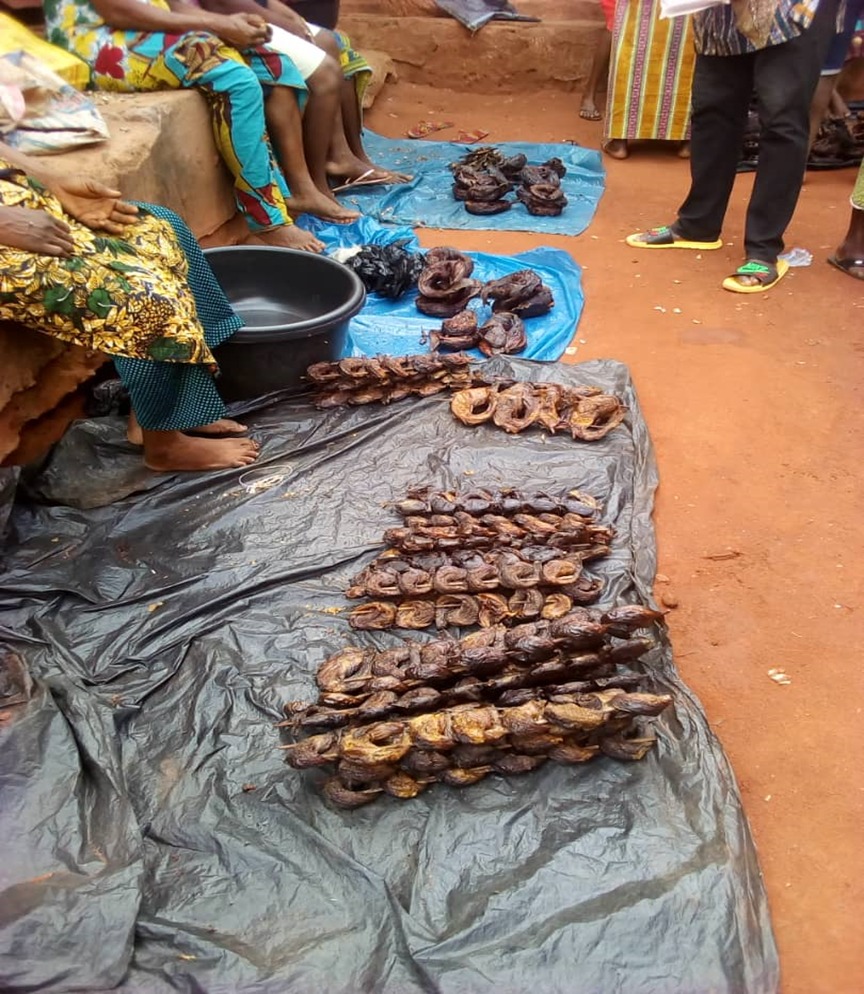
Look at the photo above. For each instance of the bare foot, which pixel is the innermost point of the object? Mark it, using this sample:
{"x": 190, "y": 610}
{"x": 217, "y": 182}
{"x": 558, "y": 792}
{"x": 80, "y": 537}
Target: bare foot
{"x": 287, "y": 236}
{"x": 172, "y": 451}
{"x": 346, "y": 173}
{"x": 220, "y": 428}
{"x": 616, "y": 148}
{"x": 588, "y": 111}
{"x": 395, "y": 177}
{"x": 323, "y": 206}
{"x": 224, "y": 426}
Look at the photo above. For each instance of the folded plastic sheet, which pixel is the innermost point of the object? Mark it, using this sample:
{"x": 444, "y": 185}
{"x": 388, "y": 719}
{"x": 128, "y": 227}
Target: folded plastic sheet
{"x": 427, "y": 201}
{"x": 155, "y": 842}
{"x": 475, "y": 13}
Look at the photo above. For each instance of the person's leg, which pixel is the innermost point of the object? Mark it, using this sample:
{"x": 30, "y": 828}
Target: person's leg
{"x": 321, "y": 118}
{"x": 170, "y": 399}
{"x": 233, "y": 93}
{"x": 849, "y": 256}
{"x": 721, "y": 95}
{"x": 785, "y": 77}
{"x": 285, "y": 127}
{"x": 838, "y": 49}
{"x": 348, "y": 157}
{"x": 599, "y": 71}
{"x": 822, "y": 98}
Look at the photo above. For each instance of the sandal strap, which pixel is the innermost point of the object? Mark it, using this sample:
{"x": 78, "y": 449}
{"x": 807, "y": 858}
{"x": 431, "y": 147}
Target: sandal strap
{"x": 764, "y": 272}
{"x": 754, "y": 268}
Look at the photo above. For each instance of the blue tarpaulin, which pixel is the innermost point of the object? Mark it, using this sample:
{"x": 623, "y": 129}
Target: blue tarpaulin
{"x": 396, "y": 327}
{"x": 428, "y": 200}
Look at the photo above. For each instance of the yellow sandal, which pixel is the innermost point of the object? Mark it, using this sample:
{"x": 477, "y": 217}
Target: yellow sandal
{"x": 767, "y": 275}
{"x": 665, "y": 238}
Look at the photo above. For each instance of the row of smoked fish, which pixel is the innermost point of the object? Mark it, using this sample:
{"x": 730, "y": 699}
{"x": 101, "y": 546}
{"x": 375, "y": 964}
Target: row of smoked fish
{"x": 584, "y": 412}
{"x": 498, "y": 701}
{"x": 482, "y": 558}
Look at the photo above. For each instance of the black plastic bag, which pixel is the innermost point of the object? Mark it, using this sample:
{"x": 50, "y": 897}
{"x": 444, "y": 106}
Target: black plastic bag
{"x": 388, "y": 270}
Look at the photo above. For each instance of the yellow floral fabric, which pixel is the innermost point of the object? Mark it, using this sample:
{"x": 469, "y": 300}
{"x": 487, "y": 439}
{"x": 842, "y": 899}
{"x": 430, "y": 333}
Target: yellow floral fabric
{"x": 126, "y": 296}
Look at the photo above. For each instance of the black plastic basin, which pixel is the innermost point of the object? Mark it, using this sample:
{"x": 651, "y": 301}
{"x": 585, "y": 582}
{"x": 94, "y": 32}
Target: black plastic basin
{"x": 296, "y": 306}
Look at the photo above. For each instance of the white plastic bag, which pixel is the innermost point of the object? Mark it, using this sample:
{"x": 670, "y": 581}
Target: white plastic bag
{"x": 40, "y": 113}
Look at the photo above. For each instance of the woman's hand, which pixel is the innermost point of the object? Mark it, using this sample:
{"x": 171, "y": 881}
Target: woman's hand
{"x": 94, "y": 204}
{"x": 34, "y": 231}
{"x": 290, "y": 20}
{"x": 242, "y": 30}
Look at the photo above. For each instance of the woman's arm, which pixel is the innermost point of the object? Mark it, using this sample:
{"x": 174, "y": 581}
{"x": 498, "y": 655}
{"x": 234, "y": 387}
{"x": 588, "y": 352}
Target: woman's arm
{"x": 273, "y": 12}
{"x": 131, "y": 15}
{"x": 87, "y": 200}
{"x": 33, "y": 167}
{"x": 239, "y": 30}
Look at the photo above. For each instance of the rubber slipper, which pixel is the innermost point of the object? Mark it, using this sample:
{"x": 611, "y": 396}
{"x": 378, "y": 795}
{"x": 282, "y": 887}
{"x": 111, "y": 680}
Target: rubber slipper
{"x": 470, "y": 137}
{"x": 590, "y": 115}
{"x": 364, "y": 179}
{"x": 664, "y": 238}
{"x": 847, "y": 265}
{"x": 761, "y": 270}
{"x": 424, "y": 128}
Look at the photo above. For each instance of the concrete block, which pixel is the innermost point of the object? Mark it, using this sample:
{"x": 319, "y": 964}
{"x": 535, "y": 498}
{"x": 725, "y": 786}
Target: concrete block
{"x": 501, "y": 58}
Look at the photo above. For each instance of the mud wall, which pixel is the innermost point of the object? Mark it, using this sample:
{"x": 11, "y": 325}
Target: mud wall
{"x": 427, "y": 46}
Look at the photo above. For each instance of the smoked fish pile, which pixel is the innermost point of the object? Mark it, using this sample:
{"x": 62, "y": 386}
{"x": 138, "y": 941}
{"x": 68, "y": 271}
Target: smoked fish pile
{"x": 482, "y": 558}
{"x": 484, "y": 177}
{"x": 498, "y": 701}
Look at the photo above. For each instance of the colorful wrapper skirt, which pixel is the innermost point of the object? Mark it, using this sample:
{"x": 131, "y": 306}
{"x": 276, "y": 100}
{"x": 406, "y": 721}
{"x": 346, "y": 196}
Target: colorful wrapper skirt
{"x": 650, "y": 74}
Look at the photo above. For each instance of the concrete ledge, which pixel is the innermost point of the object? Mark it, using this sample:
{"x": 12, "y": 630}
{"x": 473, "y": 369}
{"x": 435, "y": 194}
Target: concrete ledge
{"x": 501, "y": 58}
{"x": 546, "y": 10}
{"x": 161, "y": 150}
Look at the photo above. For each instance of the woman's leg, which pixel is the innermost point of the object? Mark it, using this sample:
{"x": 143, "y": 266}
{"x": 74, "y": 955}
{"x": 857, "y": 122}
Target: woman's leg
{"x": 242, "y": 117}
{"x": 348, "y": 157}
{"x": 849, "y": 256}
{"x": 202, "y": 61}
{"x": 322, "y": 120}
{"x": 285, "y": 127}
{"x": 599, "y": 71}
{"x": 170, "y": 399}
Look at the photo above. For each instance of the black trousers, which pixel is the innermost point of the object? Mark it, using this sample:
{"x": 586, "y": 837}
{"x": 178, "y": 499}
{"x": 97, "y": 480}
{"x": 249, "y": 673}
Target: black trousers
{"x": 784, "y": 78}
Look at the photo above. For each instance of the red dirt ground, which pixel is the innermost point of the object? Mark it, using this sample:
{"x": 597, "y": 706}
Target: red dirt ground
{"x": 755, "y": 408}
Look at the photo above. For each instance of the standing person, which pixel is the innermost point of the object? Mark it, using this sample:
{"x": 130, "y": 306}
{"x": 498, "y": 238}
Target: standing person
{"x": 599, "y": 65}
{"x": 838, "y": 52}
{"x": 849, "y": 257}
{"x": 146, "y": 45}
{"x": 650, "y": 77}
{"x": 80, "y": 265}
{"x": 777, "y": 49}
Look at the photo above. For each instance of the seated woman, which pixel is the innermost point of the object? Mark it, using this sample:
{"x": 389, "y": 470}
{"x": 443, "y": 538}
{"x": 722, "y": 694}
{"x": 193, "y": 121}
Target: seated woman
{"x": 336, "y": 77}
{"x": 143, "y": 45}
{"x": 142, "y": 293}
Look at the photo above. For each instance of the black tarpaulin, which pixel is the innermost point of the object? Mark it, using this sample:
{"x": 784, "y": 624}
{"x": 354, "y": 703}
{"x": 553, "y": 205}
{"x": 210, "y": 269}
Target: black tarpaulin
{"x": 154, "y": 841}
